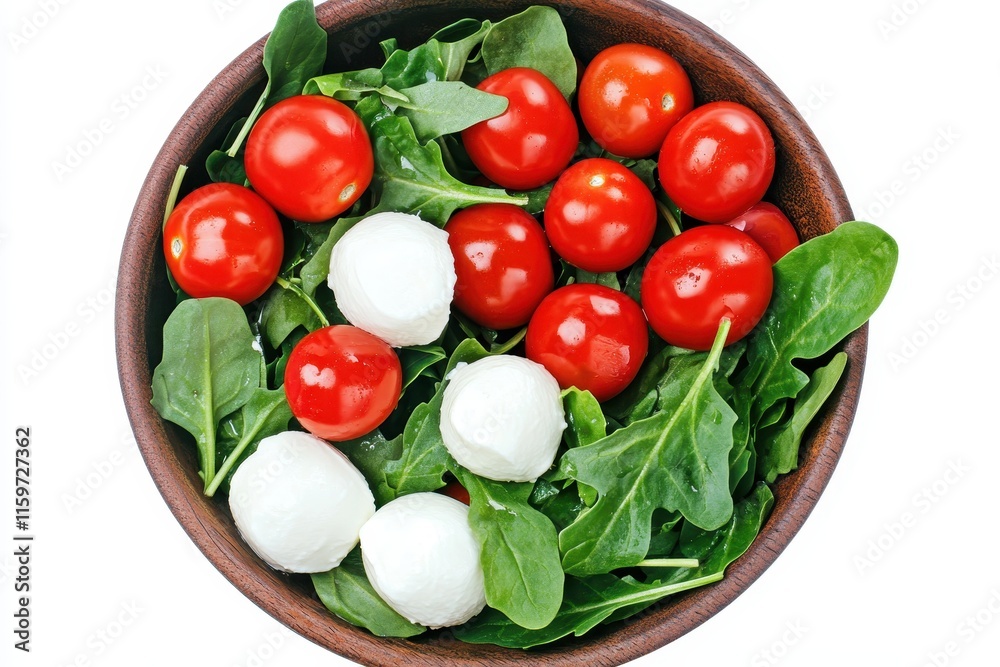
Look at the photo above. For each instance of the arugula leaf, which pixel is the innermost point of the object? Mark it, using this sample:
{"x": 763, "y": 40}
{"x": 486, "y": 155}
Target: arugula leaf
{"x": 585, "y": 423}
{"x": 266, "y": 413}
{"x": 346, "y": 591}
{"x": 823, "y": 290}
{"x": 294, "y": 53}
{"x": 778, "y": 447}
{"x": 417, "y": 359}
{"x": 535, "y": 38}
{"x": 457, "y": 42}
{"x": 209, "y": 369}
{"x": 445, "y": 107}
{"x": 677, "y": 459}
{"x": 315, "y": 272}
{"x": 352, "y": 86}
{"x": 520, "y": 549}
{"x": 411, "y": 177}
{"x": 639, "y": 399}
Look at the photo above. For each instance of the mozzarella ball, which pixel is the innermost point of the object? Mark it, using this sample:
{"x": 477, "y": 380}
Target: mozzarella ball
{"x": 393, "y": 275}
{"x": 299, "y": 503}
{"x": 502, "y": 418}
{"x": 421, "y": 557}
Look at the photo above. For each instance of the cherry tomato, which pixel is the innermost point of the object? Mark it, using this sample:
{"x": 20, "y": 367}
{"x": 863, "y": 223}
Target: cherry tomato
{"x": 502, "y": 263}
{"x": 590, "y": 337}
{"x": 769, "y": 227}
{"x": 600, "y": 216}
{"x": 223, "y": 240}
{"x": 309, "y": 155}
{"x": 700, "y": 276}
{"x": 455, "y": 490}
{"x": 342, "y": 382}
{"x": 533, "y": 140}
{"x": 717, "y": 161}
{"x": 630, "y": 96}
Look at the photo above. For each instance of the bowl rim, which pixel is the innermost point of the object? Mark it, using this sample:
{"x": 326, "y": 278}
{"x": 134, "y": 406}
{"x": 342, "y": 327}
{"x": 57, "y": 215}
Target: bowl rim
{"x": 796, "y": 493}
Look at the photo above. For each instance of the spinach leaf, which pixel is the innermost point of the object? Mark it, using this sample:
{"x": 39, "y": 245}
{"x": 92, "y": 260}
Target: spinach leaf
{"x": 585, "y": 423}
{"x": 778, "y": 448}
{"x": 609, "y": 279}
{"x": 209, "y": 369}
{"x": 640, "y": 397}
{"x": 418, "y": 359}
{"x": 315, "y": 271}
{"x": 403, "y": 69}
{"x": 588, "y": 601}
{"x": 294, "y": 53}
{"x": 283, "y": 312}
{"x": 823, "y": 290}
{"x": 445, "y": 107}
{"x": 677, "y": 459}
{"x": 520, "y": 550}
{"x": 266, "y": 413}
{"x": 352, "y": 86}
{"x": 457, "y": 42}
{"x": 369, "y": 454}
{"x": 535, "y": 38}
{"x": 346, "y": 591}
{"x": 411, "y": 178}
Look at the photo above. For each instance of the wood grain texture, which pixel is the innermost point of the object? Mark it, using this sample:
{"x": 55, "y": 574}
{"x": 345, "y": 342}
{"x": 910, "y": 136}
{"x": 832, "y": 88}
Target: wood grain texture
{"x": 806, "y": 187}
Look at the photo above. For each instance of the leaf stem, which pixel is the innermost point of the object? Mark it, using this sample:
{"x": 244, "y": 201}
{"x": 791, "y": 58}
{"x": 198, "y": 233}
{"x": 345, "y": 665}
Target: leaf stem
{"x": 669, "y": 562}
{"x": 248, "y": 123}
{"x": 305, "y": 297}
{"x": 668, "y": 215}
{"x": 510, "y": 343}
{"x": 175, "y": 188}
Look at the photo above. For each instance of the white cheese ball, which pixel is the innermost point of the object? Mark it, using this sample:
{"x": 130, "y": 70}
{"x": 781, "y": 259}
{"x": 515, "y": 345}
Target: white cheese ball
{"x": 502, "y": 418}
{"x": 299, "y": 502}
{"x": 421, "y": 557}
{"x": 393, "y": 275}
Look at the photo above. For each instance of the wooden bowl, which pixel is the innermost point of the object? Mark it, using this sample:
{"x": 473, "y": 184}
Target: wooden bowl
{"x": 805, "y": 187}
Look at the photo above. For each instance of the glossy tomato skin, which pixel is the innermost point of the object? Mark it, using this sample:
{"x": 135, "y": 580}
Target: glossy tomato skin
{"x": 590, "y": 337}
{"x": 502, "y": 264}
{"x": 630, "y": 96}
{"x": 533, "y": 140}
{"x": 769, "y": 227}
{"x": 454, "y": 489}
{"x": 700, "y": 276}
{"x": 223, "y": 240}
{"x": 342, "y": 382}
{"x": 600, "y": 216}
{"x": 717, "y": 161}
{"x": 310, "y": 157}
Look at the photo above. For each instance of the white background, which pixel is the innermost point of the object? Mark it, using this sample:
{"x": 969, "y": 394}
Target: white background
{"x": 893, "y": 567}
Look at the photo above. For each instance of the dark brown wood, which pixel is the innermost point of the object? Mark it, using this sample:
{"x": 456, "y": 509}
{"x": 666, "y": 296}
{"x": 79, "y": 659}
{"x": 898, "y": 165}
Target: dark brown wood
{"x": 806, "y": 187}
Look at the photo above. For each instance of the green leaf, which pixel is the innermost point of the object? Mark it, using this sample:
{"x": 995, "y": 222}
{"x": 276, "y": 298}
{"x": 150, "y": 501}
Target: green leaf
{"x": 446, "y": 107}
{"x": 457, "y": 42}
{"x": 369, "y": 454}
{"x": 520, "y": 550}
{"x": 209, "y": 369}
{"x": 266, "y": 413}
{"x": 411, "y": 177}
{"x": 404, "y": 69}
{"x": 677, "y": 459}
{"x": 294, "y": 52}
{"x": 223, "y": 168}
{"x": 823, "y": 290}
{"x": 314, "y": 272}
{"x": 346, "y": 591}
{"x": 535, "y": 38}
{"x": 778, "y": 448}
{"x": 585, "y": 423}
{"x": 588, "y": 602}
{"x": 609, "y": 279}
{"x": 352, "y": 86}
{"x": 284, "y": 311}
{"x": 639, "y": 399}
{"x": 416, "y": 359}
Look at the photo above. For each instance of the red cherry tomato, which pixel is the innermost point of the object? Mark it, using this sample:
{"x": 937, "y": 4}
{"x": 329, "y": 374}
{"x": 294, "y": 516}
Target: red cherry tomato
{"x": 769, "y": 227}
{"x": 630, "y": 96}
{"x": 502, "y": 263}
{"x": 590, "y": 337}
{"x": 342, "y": 382}
{"x": 223, "y": 240}
{"x": 455, "y": 490}
{"x": 600, "y": 216}
{"x": 309, "y": 155}
{"x": 717, "y": 161}
{"x": 700, "y": 276}
{"x": 533, "y": 140}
